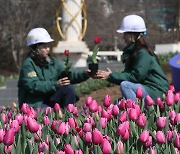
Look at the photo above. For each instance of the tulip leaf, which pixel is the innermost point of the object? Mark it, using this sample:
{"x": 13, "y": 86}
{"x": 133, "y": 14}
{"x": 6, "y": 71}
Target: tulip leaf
{"x": 14, "y": 150}
{"x": 152, "y": 134}
{"x": 134, "y": 131}
{"x": 53, "y": 147}
{"x": 1, "y": 148}
{"x": 177, "y": 107}
{"x": 166, "y": 151}
{"x": 35, "y": 150}
{"x": 18, "y": 145}
{"x": 29, "y": 148}
{"x": 172, "y": 149}
{"x": 167, "y": 125}
{"x": 73, "y": 143}
{"x": 157, "y": 111}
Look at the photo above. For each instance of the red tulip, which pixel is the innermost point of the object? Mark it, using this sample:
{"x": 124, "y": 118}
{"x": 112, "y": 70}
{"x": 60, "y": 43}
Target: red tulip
{"x": 119, "y": 148}
{"x": 160, "y": 137}
{"x": 97, "y": 136}
{"x": 88, "y": 137}
{"x": 2, "y": 133}
{"x": 32, "y": 125}
{"x": 9, "y": 137}
{"x": 115, "y": 110}
{"x": 68, "y": 149}
{"x": 144, "y": 136}
{"x": 149, "y": 101}
{"x": 87, "y": 127}
{"x": 103, "y": 122}
{"x": 106, "y": 147}
{"x": 107, "y": 101}
{"x": 141, "y": 121}
{"x": 66, "y": 52}
{"x": 97, "y": 40}
{"x": 139, "y": 92}
{"x": 161, "y": 122}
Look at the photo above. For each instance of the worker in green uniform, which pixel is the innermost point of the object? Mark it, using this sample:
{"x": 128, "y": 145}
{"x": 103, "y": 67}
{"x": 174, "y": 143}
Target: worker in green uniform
{"x": 40, "y": 83}
{"x": 141, "y": 64}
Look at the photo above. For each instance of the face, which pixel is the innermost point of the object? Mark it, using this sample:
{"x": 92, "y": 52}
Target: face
{"x": 127, "y": 38}
{"x": 44, "y": 49}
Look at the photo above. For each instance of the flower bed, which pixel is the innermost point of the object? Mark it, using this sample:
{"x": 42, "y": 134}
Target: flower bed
{"x": 127, "y": 127}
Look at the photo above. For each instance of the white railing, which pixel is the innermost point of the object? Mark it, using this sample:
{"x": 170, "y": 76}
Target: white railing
{"x": 109, "y": 53}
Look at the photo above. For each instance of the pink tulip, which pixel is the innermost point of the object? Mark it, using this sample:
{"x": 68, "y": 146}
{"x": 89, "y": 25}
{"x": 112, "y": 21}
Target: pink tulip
{"x": 106, "y": 147}
{"x": 177, "y": 118}
{"x": 97, "y": 136}
{"x": 87, "y": 127}
{"x": 19, "y": 118}
{"x": 80, "y": 131}
{"x": 122, "y": 104}
{"x": 15, "y": 125}
{"x": 148, "y": 100}
{"x": 126, "y": 134}
{"x": 9, "y": 137}
{"x": 90, "y": 120}
{"x": 160, "y": 137}
{"x": 57, "y": 107}
{"x": 4, "y": 117}
{"x": 107, "y": 101}
{"x": 139, "y": 92}
{"x": 132, "y": 114}
{"x": 31, "y": 112}
{"x": 68, "y": 149}
{"x": 129, "y": 103}
{"x": 88, "y": 137}
{"x": 76, "y": 140}
{"x": 148, "y": 142}
{"x": 177, "y": 97}
{"x": 137, "y": 108}
{"x": 106, "y": 114}
{"x": 119, "y": 148}
{"x": 123, "y": 117}
{"x": 60, "y": 152}
{"x": 70, "y": 108}
{"x": 123, "y": 130}
{"x": 160, "y": 103}
{"x": 103, "y": 122}
{"x": 144, "y": 136}
{"x": 161, "y": 122}
{"x": 61, "y": 130}
{"x": 177, "y": 141}
{"x": 88, "y": 100}
{"x": 115, "y": 110}
{"x": 2, "y": 133}
{"x": 170, "y": 98}
{"x": 8, "y": 149}
{"x": 48, "y": 110}
{"x": 172, "y": 116}
{"x": 72, "y": 122}
{"x": 32, "y": 125}
{"x": 42, "y": 146}
{"x": 24, "y": 108}
{"x": 55, "y": 125}
{"x": 171, "y": 87}
{"x": 38, "y": 134}
{"x": 141, "y": 121}
{"x": 78, "y": 152}
{"x": 75, "y": 112}
{"x": 46, "y": 120}
{"x": 169, "y": 135}
{"x": 93, "y": 107}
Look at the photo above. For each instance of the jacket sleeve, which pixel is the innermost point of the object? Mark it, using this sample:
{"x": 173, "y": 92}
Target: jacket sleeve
{"x": 138, "y": 72}
{"x": 78, "y": 76}
{"x": 32, "y": 83}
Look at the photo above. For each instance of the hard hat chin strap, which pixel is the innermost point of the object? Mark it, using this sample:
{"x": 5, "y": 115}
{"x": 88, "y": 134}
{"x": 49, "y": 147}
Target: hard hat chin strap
{"x": 133, "y": 38}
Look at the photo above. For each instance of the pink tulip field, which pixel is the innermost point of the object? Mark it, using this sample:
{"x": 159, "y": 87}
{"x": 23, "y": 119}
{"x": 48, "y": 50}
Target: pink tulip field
{"x": 128, "y": 127}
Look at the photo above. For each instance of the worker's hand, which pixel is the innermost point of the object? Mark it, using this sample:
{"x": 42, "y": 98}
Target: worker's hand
{"x": 90, "y": 75}
{"x": 103, "y": 74}
{"x": 63, "y": 82}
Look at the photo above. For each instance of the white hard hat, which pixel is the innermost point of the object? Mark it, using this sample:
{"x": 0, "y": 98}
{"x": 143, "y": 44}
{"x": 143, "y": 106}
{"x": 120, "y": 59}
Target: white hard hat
{"x": 132, "y": 23}
{"x": 38, "y": 35}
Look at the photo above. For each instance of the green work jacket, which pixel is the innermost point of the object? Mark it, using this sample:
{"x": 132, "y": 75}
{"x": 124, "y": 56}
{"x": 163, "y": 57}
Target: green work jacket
{"x": 37, "y": 83}
{"x": 144, "y": 70}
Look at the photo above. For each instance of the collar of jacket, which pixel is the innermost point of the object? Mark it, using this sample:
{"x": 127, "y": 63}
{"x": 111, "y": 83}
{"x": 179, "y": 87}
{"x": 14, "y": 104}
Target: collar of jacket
{"x": 127, "y": 52}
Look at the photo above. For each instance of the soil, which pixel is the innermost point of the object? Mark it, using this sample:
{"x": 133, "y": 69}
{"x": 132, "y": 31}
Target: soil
{"x": 113, "y": 91}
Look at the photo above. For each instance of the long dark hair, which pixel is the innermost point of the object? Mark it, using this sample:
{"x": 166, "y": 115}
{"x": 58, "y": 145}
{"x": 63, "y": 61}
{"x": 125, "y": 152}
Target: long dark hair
{"x": 140, "y": 43}
{"x": 36, "y": 56}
